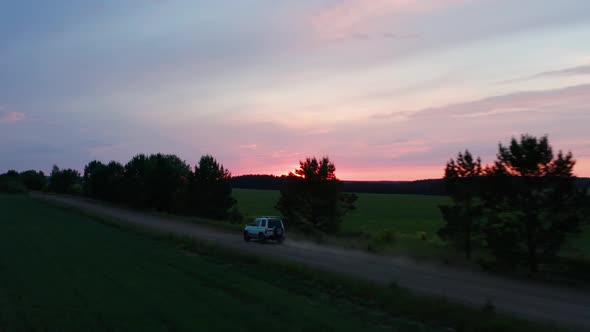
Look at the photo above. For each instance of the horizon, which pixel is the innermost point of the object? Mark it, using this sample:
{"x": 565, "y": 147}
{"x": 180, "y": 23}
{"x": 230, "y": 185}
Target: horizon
{"x": 390, "y": 90}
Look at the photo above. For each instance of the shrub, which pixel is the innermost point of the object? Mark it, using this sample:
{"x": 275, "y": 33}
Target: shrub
{"x": 384, "y": 237}
{"x": 422, "y": 235}
{"x": 12, "y": 187}
{"x": 235, "y": 216}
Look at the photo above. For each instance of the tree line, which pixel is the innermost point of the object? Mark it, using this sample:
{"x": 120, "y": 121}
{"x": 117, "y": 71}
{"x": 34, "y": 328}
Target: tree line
{"x": 311, "y": 198}
{"x": 14, "y": 182}
{"x": 521, "y": 209}
{"x": 163, "y": 182}
{"x": 158, "y": 181}
{"x": 418, "y": 187}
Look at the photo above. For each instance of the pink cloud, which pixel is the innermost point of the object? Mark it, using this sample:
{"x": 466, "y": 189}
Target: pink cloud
{"x": 12, "y": 117}
{"x": 351, "y": 17}
{"x": 573, "y": 99}
{"x": 414, "y": 147}
{"x": 248, "y": 146}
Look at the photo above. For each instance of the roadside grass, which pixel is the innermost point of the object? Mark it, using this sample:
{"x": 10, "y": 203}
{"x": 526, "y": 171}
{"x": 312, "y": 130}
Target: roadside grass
{"x": 579, "y": 245}
{"x": 222, "y": 225}
{"x": 232, "y": 289}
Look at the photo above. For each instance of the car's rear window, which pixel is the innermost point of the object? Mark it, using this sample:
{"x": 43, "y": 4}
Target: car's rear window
{"x": 274, "y": 223}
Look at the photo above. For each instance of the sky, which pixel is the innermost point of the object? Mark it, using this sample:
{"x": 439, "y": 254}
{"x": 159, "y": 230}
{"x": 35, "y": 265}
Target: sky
{"x": 388, "y": 89}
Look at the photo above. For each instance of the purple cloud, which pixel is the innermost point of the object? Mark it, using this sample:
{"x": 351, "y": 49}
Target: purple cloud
{"x": 12, "y": 117}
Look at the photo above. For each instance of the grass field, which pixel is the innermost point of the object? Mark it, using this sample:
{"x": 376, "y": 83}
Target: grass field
{"x": 409, "y": 216}
{"x": 403, "y": 213}
{"x": 61, "y": 271}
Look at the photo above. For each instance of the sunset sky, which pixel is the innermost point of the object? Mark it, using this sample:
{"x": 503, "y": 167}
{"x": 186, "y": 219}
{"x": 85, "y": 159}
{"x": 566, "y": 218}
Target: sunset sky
{"x": 388, "y": 89}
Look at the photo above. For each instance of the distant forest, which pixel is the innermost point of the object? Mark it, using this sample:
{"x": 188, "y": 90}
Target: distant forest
{"x": 419, "y": 187}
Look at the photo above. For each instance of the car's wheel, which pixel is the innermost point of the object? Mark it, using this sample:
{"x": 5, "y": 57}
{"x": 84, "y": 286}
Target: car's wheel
{"x": 279, "y": 234}
{"x": 261, "y": 237}
{"x": 246, "y": 237}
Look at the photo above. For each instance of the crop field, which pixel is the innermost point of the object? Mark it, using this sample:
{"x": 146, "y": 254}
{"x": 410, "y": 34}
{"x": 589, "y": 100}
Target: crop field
{"x": 63, "y": 271}
{"x": 406, "y": 214}
{"x": 409, "y": 216}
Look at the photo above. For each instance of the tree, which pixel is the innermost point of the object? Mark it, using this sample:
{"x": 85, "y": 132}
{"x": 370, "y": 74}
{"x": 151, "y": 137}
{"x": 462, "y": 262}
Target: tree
{"x": 33, "y": 180}
{"x": 104, "y": 181}
{"x": 10, "y": 182}
{"x": 533, "y": 203}
{"x": 66, "y": 181}
{"x": 134, "y": 182}
{"x": 166, "y": 182}
{"x": 463, "y": 219}
{"x": 210, "y": 190}
{"x": 312, "y": 198}
{"x": 93, "y": 179}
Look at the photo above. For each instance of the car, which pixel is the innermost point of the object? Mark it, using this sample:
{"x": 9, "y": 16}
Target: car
{"x": 265, "y": 228}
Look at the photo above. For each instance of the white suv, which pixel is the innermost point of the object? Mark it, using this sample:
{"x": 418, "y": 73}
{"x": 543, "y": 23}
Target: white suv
{"x": 265, "y": 228}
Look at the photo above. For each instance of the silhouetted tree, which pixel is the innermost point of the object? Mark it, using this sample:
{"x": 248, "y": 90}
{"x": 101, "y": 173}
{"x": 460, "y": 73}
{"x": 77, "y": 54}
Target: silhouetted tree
{"x": 104, "y": 181}
{"x": 12, "y": 174}
{"x": 312, "y": 198}
{"x": 10, "y": 182}
{"x": 65, "y": 181}
{"x": 533, "y": 201}
{"x": 210, "y": 190}
{"x": 463, "y": 219}
{"x": 135, "y": 187}
{"x": 166, "y": 181}
{"x": 93, "y": 178}
{"x": 33, "y": 180}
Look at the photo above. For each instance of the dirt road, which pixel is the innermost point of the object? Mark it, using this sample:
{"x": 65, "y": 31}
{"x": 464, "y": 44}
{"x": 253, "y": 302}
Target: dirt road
{"x": 563, "y": 306}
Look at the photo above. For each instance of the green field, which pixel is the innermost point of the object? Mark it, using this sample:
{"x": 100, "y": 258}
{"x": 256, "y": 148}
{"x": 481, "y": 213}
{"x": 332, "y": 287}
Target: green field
{"x": 403, "y": 213}
{"x": 63, "y": 271}
{"x": 409, "y": 216}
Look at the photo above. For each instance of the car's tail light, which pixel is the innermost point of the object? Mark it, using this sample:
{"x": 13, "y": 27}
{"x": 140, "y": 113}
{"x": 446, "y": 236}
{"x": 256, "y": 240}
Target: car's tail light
{"x": 267, "y": 230}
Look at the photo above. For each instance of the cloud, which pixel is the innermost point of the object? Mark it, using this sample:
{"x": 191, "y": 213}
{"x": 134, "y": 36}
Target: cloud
{"x": 12, "y": 117}
{"x": 392, "y": 35}
{"x": 248, "y": 146}
{"x": 398, "y": 148}
{"x": 479, "y": 125}
{"x": 352, "y": 17}
{"x": 563, "y": 100}
{"x": 493, "y": 112}
{"x": 579, "y": 70}
{"x": 412, "y": 145}
{"x": 571, "y": 71}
